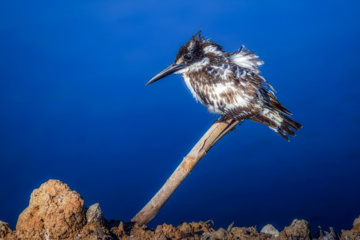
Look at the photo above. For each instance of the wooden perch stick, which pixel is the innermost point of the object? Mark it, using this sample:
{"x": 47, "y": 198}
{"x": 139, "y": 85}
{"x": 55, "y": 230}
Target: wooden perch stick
{"x": 214, "y": 134}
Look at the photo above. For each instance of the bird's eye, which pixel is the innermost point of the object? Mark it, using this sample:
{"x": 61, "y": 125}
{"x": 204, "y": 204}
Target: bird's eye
{"x": 188, "y": 57}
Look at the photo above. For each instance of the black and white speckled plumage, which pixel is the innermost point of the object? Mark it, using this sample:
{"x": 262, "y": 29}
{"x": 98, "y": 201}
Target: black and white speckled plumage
{"x": 230, "y": 84}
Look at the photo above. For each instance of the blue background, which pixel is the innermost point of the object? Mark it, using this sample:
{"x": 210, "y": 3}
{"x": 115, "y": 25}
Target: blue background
{"x": 74, "y": 107}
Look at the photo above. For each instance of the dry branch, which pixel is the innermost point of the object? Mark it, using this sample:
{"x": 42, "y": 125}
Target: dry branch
{"x": 214, "y": 134}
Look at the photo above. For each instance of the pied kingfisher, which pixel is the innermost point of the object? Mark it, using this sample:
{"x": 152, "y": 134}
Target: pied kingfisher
{"x": 229, "y": 84}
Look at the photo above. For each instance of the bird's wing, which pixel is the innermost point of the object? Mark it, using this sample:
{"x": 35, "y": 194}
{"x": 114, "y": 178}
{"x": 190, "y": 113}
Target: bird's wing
{"x": 262, "y": 91}
{"x": 246, "y": 59}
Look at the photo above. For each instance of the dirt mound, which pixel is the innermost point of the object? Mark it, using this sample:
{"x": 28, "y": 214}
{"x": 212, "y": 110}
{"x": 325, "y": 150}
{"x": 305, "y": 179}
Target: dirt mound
{"x": 57, "y": 212}
{"x": 54, "y": 211}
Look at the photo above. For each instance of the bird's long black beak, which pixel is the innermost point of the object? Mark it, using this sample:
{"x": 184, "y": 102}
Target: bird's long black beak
{"x": 166, "y": 72}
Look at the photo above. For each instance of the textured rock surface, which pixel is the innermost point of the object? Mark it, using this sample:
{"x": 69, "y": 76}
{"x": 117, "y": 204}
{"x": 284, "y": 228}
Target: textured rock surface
{"x": 269, "y": 229}
{"x": 201, "y": 230}
{"x": 299, "y": 229}
{"x": 4, "y": 229}
{"x": 95, "y": 215}
{"x": 356, "y": 225}
{"x": 54, "y": 211}
{"x": 94, "y": 231}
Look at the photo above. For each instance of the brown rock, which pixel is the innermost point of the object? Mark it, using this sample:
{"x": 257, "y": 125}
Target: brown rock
{"x": 299, "y": 229}
{"x": 168, "y": 230}
{"x": 356, "y": 221}
{"x": 356, "y": 225}
{"x": 185, "y": 228}
{"x": 238, "y": 232}
{"x": 349, "y": 235}
{"x": 252, "y": 231}
{"x": 356, "y": 228}
{"x": 220, "y": 233}
{"x": 54, "y": 211}
{"x": 140, "y": 232}
{"x": 94, "y": 231}
{"x": 245, "y": 233}
{"x": 132, "y": 230}
{"x": 117, "y": 228}
{"x": 4, "y": 229}
{"x": 202, "y": 227}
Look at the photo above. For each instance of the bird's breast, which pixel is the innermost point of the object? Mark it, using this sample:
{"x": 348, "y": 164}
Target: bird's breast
{"x": 189, "y": 83}
{"x": 219, "y": 95}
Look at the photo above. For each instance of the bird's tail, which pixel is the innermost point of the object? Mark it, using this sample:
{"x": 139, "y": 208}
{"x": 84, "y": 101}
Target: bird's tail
{"x": 278, "y": 122}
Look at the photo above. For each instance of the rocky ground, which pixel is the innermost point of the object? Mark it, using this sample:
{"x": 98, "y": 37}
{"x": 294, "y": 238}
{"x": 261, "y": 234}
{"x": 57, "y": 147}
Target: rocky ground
{"x": 57, "y": 212}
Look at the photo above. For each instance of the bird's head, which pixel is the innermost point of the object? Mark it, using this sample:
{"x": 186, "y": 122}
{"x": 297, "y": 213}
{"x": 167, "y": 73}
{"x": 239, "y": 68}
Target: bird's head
{"x": 191, "y": 56}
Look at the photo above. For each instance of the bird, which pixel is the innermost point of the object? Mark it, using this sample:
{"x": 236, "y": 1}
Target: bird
{"x": 230, "y": 84}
